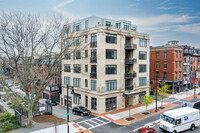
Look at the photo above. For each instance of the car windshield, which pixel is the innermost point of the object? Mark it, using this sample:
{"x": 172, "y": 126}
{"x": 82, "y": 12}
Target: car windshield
{"x": 83, "y": 108}
{"x": 168, "y": 119}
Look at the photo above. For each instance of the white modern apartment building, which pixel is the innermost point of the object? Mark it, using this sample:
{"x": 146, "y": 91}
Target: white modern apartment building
{"x": 107, "y": 64}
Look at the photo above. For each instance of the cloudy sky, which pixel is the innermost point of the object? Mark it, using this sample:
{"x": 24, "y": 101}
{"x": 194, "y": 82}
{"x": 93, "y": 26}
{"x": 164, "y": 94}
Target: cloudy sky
{"x": 163, "y": 20}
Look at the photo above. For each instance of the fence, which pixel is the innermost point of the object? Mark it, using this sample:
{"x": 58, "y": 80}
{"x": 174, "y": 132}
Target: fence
{"x": 22, "y": 115}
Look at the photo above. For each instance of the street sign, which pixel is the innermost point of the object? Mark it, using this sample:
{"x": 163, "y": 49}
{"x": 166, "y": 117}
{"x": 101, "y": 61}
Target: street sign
{"x": 65, "y": 114}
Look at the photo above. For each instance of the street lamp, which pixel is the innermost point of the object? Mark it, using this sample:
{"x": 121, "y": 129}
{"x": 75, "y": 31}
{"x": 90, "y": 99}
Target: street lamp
{"x": 72, "y": 92}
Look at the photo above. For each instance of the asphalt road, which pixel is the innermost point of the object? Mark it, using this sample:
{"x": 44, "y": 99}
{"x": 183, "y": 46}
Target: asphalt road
{"x": 197, "y": 130}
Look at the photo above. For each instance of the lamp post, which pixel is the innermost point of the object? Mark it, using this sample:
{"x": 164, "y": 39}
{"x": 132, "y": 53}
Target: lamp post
{"x": 68, "y": 106}
{"x": 155, "y": 77}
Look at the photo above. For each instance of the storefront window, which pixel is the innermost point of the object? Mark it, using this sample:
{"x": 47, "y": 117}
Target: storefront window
{"x": 111, "y": 103}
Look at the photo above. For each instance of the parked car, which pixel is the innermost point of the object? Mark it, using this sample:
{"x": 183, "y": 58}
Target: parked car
{"x": 194, "y": 103}
{"x": 80, "y": 110}
{"x": 145, "y": 130}
{"x": 51, "y": 102}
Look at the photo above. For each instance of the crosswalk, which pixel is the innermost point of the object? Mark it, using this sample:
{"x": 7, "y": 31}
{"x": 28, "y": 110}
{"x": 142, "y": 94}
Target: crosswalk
{"x": 94, "y": 122}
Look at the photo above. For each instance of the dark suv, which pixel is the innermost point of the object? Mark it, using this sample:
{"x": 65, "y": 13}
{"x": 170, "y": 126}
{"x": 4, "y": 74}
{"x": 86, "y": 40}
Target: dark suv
{"x": 80, "y": 110}
{"x": 194, "y": 103}
{"x": 51, "y": 102}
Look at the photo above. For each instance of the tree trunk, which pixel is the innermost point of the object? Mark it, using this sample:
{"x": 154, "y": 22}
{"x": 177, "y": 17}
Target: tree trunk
{"x": 30, "y": 117}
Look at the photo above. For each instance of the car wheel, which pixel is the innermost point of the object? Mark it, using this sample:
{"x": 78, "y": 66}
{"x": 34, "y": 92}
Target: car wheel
{"x": 174, "y": 131}
{"x": 74, "y": 113}
{"x": 82, "y": 114}
{"x": 192, "y": 127}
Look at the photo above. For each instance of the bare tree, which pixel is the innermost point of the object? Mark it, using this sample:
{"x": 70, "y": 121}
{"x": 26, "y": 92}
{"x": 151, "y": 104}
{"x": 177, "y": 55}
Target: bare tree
{"x": 26, "y": 41}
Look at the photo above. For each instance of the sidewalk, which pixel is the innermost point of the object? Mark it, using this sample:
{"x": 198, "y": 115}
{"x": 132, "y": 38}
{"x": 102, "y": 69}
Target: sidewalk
{"x": 118, "y": 116}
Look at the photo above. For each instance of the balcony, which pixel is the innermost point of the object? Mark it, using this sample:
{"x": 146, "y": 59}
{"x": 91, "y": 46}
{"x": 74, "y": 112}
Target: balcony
{"x": 130, "y": 61}
{"x": 93, "y": 44}
{"x": 130, "y": 75}
{"x": 130, "y": 46}
{"x": 93, "y": 59}
{"x": 93, "y": 75}
{"x": 129, "y": 87}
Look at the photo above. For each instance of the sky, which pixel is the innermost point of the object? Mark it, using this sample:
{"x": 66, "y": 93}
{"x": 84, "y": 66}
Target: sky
{"x": 163, "y": 20}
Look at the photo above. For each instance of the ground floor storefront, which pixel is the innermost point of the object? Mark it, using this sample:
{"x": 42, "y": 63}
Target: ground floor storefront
{"x": 101, "y": 103}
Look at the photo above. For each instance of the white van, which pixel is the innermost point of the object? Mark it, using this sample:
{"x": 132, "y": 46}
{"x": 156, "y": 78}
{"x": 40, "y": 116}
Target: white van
{"x": 180, "y": 119}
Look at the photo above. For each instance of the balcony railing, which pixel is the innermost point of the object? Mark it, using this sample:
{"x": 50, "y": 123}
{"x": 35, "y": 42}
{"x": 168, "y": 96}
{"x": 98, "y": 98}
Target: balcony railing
{"x": 93, "y": 44}
{"x": 131, "y": 46}
{"x": 93, "y": 75}
{"x": 129, "y": 87}
{"x": 130, "y": 61}
{"x": 93, "y": 60}
{"x": 130, "y": 75}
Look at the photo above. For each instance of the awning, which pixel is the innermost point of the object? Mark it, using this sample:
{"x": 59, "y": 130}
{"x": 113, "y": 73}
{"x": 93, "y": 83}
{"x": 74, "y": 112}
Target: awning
{"x": 134, "y": 93}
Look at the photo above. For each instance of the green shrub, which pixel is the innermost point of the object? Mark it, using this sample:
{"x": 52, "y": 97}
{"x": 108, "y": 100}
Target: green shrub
{"x": 8, "y": 122}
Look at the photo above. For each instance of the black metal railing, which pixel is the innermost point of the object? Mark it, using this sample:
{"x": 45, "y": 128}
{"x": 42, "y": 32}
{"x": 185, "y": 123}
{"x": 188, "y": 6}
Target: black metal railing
{"x": 130, "y": 46}
{"x": 130, "y": 75}
{"x": 130, "y": 61}
{"x": 129, "y": 87}
{"x": 93, "y": 75}
{"x": 93, "y": 44}
{"x": 93, "y": 60}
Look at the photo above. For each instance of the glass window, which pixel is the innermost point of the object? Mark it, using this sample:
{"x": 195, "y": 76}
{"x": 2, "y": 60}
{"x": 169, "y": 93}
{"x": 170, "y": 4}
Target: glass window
{"x": 77, "y": 55}
{"x": 86, "y": 38}
{"x": 142, "y": 42}
{"x": 199, "y": 59}
{"x": 93, "y": 85}
{"x": 165, "y": 64}
{"x": 157, "y": 54}
{"x": 86, "y": 53}
{"x": 157, "y": 64}
{"x": 86, "y": 24}
{"x": 77, "y": 27}
{"x": 142, "y": 55}
{"x": 86, "y": 101}
{"x": 77, "y": 98}
{"x": 142, "y": 81}
{"x": 142, "y": 68}
{"x": 67, "y": 68}
{"x": 176, "y": 54}
{"x": 179, "y": 64}
{"x": 77, "y": 82}
{"x": 118, "y": 25}
{"x": 111, "y": 38}
{"x": 67, "y": 56}
{"x": 165, "y": 75}
{"x": 77, "y": 41}
{"x": 77, "y": 68}
{"x": 86, "y": 68}
{"x": 67, "y": 42}
{"x": 93, "y": 40}
{"x": 108, "y": 23}
{"x": 179, "y": 75}
{"x": 165, "y": 55}
{"x": 176, "y": 64}
{"x": 176, "y": 76}
{"x": 86, "y": 83}
{"x": 127, "y": 26}
{"x": 93, "y": 103}
{"x": 111, "y": 103}
{"x": 111, "y": 69}
{"x": 180, "y": 54}
{"x": 157, "y": 74}
{"x": 198, "y": 67}
{"x": 111, "y": 85}
{"x": 111, "y": 54}
{"x": 67, "y": 80}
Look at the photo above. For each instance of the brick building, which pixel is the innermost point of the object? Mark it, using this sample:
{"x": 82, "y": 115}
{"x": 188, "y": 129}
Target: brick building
{"x": 175, "y": 64}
